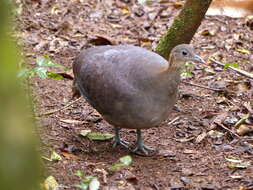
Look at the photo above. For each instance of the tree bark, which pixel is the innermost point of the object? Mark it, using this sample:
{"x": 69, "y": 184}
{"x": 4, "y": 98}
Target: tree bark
{"x": 19, "y": 160}
{"x": 184, "y": 26}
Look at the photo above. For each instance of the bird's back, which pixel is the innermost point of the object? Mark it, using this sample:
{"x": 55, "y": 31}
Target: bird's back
{"x": 128, "y": 85}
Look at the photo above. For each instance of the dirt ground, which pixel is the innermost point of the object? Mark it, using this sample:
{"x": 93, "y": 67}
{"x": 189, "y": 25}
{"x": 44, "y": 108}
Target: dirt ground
{"x": 190, "y": 152}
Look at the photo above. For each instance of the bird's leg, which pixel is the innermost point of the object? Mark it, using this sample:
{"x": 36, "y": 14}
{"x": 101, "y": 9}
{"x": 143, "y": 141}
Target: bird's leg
{"x": 117, "y": 140}
{"x": 141, "y": 149}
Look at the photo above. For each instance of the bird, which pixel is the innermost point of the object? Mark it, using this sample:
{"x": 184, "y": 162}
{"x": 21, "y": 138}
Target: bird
{"x": 131, "y": 87}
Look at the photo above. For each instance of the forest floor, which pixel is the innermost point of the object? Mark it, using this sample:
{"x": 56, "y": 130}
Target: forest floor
{"x": 197, "y": 150}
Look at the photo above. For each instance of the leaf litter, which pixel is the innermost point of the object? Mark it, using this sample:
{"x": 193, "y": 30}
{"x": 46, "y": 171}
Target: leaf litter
{"x": 60, "y": 29}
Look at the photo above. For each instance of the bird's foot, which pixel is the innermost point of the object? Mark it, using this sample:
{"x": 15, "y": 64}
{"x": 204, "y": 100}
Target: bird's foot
{"x": 120, "y": 142}
{"x": 143, "y": 150}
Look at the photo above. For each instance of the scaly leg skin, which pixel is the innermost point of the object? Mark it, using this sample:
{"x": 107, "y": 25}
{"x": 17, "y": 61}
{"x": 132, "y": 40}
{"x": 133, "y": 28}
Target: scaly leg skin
{"x": 118, "y": 141}
{"x": 142, "y": 149}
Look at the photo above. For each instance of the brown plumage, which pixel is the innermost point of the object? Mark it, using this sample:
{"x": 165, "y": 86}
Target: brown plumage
{"x": 129, "y": 86}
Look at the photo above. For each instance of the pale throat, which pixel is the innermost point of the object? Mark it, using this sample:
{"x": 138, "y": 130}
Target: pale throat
{"x": 176, "y": 64}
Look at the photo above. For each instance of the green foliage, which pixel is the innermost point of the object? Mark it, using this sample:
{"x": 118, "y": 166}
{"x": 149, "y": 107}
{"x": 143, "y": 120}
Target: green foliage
{"x": 50, "y": 183}
{"x": 42, "y": 69}
{"x": 124, "y": 161}
{"x": 99, "y": 136}
{"x": 186, "y": 72}
{"x": 78, "y": 173}
{"x": 127, "y": 160}
{"x": 20, "y": 164}
{"x": 87, "y": 182}
{"x": 96, "y": 135}
{"x": 54, "y": 157}
{"x": 227, "y": 65}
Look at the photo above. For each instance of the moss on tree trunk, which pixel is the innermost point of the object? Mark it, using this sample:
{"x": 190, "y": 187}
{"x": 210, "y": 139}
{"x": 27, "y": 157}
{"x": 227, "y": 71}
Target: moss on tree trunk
{"x": 184, "y": 26}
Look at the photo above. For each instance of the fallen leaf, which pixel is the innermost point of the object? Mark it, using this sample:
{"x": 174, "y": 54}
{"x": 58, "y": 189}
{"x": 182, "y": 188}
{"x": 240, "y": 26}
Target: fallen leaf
{"x": 182, "y": 140}
{"x": 82, "y": 186}
{"x": 101, "y": 40}
{"x": 178, "y": 4}
{"x": 78, "y": 173}
{"x": 244, "y": 129}
{"x": 68, "y": 155}
{"x": 55, "y": 10}
{"x": 238, "y": 166}
{"x": 85, "y": 132}
{"x": 51, "y": 183}
{"x": 242, "y": 120}
{"x": 127, "y": 160}
{"x": 188, "y": 151}
{"x": 243, "y": 51}
{"x": 70, "y": 121}
{"x": 126, "y": 11}
{"x": 166, "y": 153}
{"x": 55, "y": 156}
{"x": 124, "y": 161}
{"x": 207, "y": 32}
{"x": 243, "y": 86}
{"x": 235, "y": 163}
{"x": 215, "y": 134}
{"x": 99, "y": 136}
{"x": 201, "y": 137}
{"x": 236, "y": 176}
{"x": 94, "y": 184}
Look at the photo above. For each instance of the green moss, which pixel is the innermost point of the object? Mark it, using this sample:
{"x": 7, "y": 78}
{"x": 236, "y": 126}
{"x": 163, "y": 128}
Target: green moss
{"x": 181, "y": 31}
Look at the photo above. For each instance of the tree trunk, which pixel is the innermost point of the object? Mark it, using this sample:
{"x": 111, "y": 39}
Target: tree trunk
{"x": 19, "y": 160}
{"x": 184, "y": 26}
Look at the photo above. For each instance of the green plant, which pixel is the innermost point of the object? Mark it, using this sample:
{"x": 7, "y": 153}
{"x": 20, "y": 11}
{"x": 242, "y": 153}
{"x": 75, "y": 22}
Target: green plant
{"x": 42, "y": 69}
{"x": 124, "y": 161}
{"x": 227, "y": 65}
{"x": 186, "y": 72}
{"x": 87, "y": 182}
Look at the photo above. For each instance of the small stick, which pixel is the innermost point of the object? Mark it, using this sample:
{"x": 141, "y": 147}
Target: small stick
{"x": 205, "y": 87}
{"x": 172, "y": 121}
{"x": 239, "y": 71}
{"x": 56, "y": 110}
{"x": 227, "y": 129}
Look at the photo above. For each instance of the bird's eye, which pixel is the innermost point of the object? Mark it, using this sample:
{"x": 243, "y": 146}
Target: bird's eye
{"x": 184, "y": 53}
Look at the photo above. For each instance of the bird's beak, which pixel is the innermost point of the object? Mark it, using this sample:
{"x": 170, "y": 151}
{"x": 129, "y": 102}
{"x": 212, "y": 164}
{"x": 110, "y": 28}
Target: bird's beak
{"x": 198, "y": 59}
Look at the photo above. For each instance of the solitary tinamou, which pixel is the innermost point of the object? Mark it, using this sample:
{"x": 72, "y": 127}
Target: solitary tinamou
{"x": 131, "y": 87}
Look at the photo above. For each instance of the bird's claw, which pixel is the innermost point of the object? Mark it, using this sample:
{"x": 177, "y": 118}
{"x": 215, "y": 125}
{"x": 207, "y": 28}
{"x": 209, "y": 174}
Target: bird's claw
{"x": 120, "y": 142}
{"x": 144, "y": 150}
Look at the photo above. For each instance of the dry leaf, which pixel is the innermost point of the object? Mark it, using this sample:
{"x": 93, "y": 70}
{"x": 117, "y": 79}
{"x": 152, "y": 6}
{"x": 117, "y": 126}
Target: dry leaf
{"x": 101, "y": 40}
{"x": 178, "y": 4}
{"x": 244, "y": 129}
{"x": 201, "y": 137}
{"x": 243, "y": 51}
{"x": 70, "y": 121}
{"x": 68, "y": 155}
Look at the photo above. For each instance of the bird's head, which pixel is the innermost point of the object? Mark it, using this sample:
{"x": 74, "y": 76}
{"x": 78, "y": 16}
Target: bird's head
{"x": 181, "y": 54}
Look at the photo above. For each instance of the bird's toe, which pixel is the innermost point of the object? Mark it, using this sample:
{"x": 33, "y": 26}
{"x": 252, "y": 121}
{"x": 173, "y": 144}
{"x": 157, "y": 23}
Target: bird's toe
{"x": 121, "y": 143}
{"x": 144, "y": 150}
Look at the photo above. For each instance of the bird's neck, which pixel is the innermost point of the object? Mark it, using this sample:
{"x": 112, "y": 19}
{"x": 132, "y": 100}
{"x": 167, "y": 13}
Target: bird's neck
{"x": 174, "y": 64}
{"x": 173, "y": 71}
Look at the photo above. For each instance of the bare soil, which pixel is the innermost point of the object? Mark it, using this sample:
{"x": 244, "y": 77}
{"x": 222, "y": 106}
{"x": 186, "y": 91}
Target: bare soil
{"x": 183, "y": 160}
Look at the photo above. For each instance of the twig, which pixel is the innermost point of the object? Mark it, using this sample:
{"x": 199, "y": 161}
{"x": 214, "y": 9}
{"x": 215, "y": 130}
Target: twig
{"x": 227, "y": 129}
{"x": 172, "y": 121}
{"x": 242, "y": 120}
{"x": 157, "y": 15}
{"x": 56, "y": 110}
{"x": 239, "y": 71}
{"x": 205, "y": 87}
